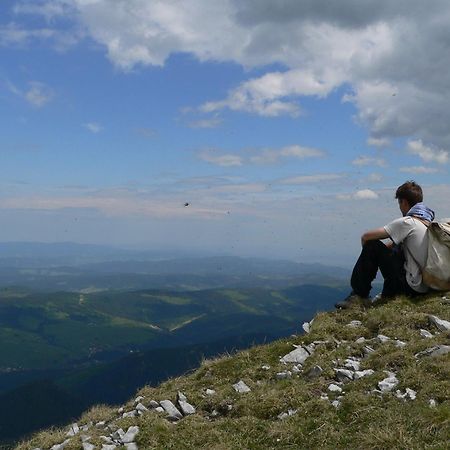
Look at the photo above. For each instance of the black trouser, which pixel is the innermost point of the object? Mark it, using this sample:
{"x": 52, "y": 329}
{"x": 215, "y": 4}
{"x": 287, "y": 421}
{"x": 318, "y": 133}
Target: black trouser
{"x": 390, "y": 261}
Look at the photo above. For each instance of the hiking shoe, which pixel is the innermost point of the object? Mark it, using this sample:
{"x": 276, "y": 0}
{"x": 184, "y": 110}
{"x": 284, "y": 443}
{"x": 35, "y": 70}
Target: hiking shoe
{"x": 353, "y": 300}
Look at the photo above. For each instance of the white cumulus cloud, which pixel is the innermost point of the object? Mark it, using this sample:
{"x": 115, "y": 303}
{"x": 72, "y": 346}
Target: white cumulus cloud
{"x": 93, "y": 127}
{"x": 369, "y": 161}
{"x": 418, "y": 170}
{"x": 428, "y": 153}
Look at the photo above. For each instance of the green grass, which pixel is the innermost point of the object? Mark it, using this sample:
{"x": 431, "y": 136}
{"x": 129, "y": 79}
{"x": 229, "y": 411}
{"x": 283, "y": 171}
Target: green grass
{"x": 364, "y": 420}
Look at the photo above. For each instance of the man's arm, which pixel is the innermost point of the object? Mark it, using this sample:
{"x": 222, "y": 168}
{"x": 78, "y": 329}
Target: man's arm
{"x": 372, "y": 235}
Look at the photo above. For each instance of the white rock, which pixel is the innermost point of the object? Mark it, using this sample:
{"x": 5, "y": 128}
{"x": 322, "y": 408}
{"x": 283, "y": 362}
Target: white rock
{"x": 265, "y": 367}
{"x": 140, "y": 407}
{"x": 352, "y": 364}
{"x": 85, "y": 438}
{"x": 210, "y": 391}
{"x": 388, "y": 383}
{"x": 171, "y": 410}
{"x": 121, "y": 410}
{"x": 106, "y": 439}
{"x": 297, "y": 368}
{"x": 287, "y": 414}
{"x": 185, "y": 406}
{"x": 438, "y": 350}
{"x": 100, "y": 424}
{"x": 297, "y": 356}
{"x": 432, "y": 403}
{"x": 368, "y": 350}
{"x": 442, "y": 325}
{"x": 363, "y": 373}
{"x": 334, "y": 388}
{"x": 355, "y": 324}
{"x": 73, "y": 430}
{"x": 314, "y": 372}
{"x": 88, "y": 446}
{"x": 118, "y": 434}
{"x": 324, "y": 397}
{"x": 130, "y": 435}
{"x": 159, "y": 409}
{"x": 60, "y": 446}
{"x": 360, "y": 340}
{"x": 129, "y": 414}
{"x": 306, "y": 327}
{"x": 344, "y": 374}
{"x": 241, "y": 387}
{"x": 425, "y": 334}
{"x": 138, "y": 399}
{"x": 382, "y": 338}
{"x": 336, "y": 403}
{"x": 109, "y": 446}
{"x": 131, "y": 446}
{"x": 412, "y": 394}
{"x": 284, "y": 375}
{"x": 399, "y": 343}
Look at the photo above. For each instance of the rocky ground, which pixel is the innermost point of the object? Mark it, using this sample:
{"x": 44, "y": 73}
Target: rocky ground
{"x": 363, "y": 378}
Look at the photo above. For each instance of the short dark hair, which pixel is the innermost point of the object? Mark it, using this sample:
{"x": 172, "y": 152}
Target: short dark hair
{"x": 411, "y": 192}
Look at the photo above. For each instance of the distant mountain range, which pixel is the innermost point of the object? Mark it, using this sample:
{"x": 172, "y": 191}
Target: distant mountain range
{"x": 88, "y": 268}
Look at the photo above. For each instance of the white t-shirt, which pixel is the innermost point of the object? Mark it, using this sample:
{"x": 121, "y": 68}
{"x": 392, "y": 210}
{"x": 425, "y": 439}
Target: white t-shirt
{"x": 412, "y": 233}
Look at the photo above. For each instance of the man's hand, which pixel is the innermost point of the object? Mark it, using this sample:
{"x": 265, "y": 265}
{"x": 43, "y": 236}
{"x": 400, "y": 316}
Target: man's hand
{"x": 372, "y": 235}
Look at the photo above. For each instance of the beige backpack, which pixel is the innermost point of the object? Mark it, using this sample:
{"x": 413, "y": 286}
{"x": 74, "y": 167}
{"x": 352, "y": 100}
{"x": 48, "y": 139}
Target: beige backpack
{"x": 436, "y": 273}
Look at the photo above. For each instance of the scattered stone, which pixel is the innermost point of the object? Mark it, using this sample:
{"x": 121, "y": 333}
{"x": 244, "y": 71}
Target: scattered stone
{"x": 118, "y": 434}
{"x": 382, "y": 338}
{"x": 297, "y": 356}
{"x": 438, "y": 350}
{"x": 352, "y": 363}
{"x": 336, "y": 403}
{"x": 210, "y": 391}
{"x": 289, "y": 413}
{"x": 121, "y": 410}
{"x": 432, "y": 403}
{"x": 60, "y": 446}
{"x": 408, "y": 393}
{"x": 106, "y": 439}
{"x": 284, "y": 375}
{"x": 241, "y": 387}
{"x": 186, "y": 408}
{"x": 159, "y": 409}
{"x": 442, "y": 325}
{"x": 334, "y": 388}
{"x": 355, "y": 324}
{"x": 306, "y": 327}
{"x": 388, "y": 383}
{"x": 265, "y": 367}
{"x": 153, "y": 404}
{"x": 344, "y": 375}
{"x": 297, "y": 368}
{"x": 363, "y": 373}
{"x": 425, "y": 334}
{"x": 131, "y": 446}
{"x": 129, "y": 414}
{"x": 400, "y": 344}
{"x": 85, "y": 438}
{"x": 141, "y": 408}
{"x": 138, "y": 399}
{"x": 314, "y": 372}
{"x": 324, "y": 397}
{"x": 100, "y": 424}
{"x": 130, "y": 435}
{"x": 360, "y": 340}
{"x": 73, "y": 430}
{"x": 171, "y": 410}
{"x": 109, "y": 446}
{"x": 88, "y": 446}
{"x": 310, "y": 348}
{"x": 368, "y": 350}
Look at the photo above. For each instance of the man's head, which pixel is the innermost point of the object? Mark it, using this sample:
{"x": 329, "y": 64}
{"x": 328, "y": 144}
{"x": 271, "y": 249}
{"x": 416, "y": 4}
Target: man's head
{"x": 408, "y": 194}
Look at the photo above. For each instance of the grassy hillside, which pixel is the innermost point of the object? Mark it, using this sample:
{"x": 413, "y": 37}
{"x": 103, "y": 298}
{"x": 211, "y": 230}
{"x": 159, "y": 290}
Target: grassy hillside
{"x": 62, "y": 329}
{"x": 295, "y": 408}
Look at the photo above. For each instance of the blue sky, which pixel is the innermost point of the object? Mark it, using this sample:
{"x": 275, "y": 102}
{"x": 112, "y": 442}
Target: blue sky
{"x": 286, "y": 126}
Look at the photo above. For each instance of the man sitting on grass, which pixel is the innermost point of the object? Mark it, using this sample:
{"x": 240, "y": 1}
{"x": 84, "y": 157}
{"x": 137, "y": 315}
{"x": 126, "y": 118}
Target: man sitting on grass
{"x": 401, "y": 261}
